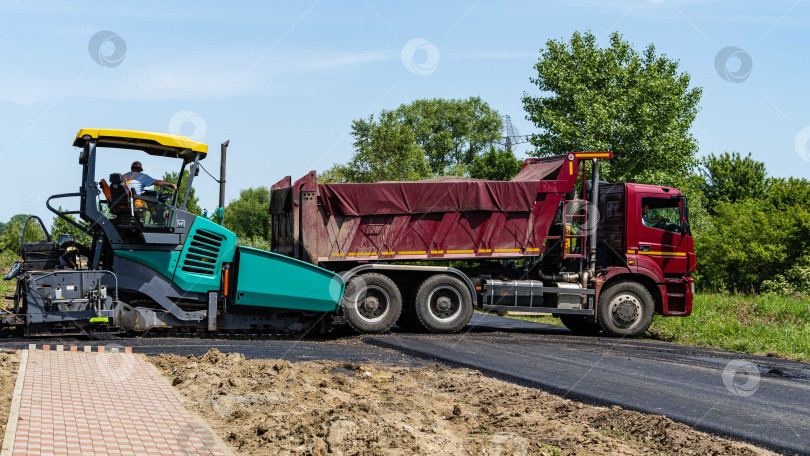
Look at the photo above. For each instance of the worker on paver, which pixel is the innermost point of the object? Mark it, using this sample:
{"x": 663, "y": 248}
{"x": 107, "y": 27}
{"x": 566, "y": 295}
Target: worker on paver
{"x": 136, "y": 179}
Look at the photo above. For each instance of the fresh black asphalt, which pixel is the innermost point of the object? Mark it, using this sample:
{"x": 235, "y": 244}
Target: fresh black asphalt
{"x": 683, "y": 383}
{"x": 767, "y": 403}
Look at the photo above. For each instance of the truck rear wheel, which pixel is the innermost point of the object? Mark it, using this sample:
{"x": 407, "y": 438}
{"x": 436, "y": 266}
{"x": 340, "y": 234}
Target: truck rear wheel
{"x": 625, "y": 309}
{"x": 372, "y": 303}
{"x": 443, "y": 304}
{"x": 580, "y": 324}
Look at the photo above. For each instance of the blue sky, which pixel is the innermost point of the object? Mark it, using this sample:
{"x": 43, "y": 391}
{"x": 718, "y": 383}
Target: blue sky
{"x": 284, "y": 80}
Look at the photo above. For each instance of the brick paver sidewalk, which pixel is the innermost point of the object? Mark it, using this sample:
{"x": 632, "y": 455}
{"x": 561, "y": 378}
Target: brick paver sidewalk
{"x": 76, "y": 403}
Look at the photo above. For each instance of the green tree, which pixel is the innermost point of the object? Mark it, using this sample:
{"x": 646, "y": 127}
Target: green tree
{"x": 731, "y": 177}
{"x": 249, "y": 215}
{"x": 62, "y": 226}
{"x": 193, "y": 204}
{"x": 786, "y": 194}
{"x": 496, "y": 164}
{"x": 10, "y": 240}
{"x": 419, "y": 140}
{"x": 385, "y": 149}
{"x": 452, "y": 133}
{"x": 614, "y": 98}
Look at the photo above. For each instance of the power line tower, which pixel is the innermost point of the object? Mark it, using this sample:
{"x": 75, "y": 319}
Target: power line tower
{"x": 512, "y": 136}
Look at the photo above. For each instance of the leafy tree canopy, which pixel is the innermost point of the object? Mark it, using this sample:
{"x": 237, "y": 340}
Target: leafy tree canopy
{"x": 62, "y": 226}
{"x": 249, "y": 215}
{"x": 749, "y": 242}
{"x": 496, "y": 164}
{"x": 193, "y": 204}
{"x": 732, "y": 177}
{"x": 10, "y": 240}
{"x": 614, "y": 98}
{"x": 422, "y": 139}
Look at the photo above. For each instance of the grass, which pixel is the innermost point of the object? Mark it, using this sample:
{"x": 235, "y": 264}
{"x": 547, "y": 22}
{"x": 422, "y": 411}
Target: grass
{"x": 763, "y": 325}
{"x": 547, "y": 319}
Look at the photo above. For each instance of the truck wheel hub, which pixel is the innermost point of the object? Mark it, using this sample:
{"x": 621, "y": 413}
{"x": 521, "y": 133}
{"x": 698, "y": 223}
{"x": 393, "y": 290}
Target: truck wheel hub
{"x": 371, "y": 304}
{"x": 444, "y": 303}
{"x": 625, "y": 309}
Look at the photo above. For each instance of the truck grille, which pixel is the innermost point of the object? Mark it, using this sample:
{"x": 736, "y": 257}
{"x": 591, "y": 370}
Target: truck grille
{"x": 203, "y": 253}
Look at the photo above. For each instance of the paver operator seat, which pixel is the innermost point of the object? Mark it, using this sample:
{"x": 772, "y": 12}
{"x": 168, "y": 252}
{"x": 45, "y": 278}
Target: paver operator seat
{"x": 121, "y": 204}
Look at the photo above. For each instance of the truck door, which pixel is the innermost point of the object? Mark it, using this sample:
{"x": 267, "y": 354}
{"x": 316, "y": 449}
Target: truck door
{"x": 658, "y": 231}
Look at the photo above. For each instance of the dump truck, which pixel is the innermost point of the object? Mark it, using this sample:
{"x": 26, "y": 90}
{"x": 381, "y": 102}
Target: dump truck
{"x": 153, "y": 265}
{"x": 422, "y": 255}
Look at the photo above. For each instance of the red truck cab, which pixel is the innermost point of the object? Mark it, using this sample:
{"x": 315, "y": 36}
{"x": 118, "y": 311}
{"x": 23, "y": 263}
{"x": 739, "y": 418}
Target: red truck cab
{"x": 646, "y": 230}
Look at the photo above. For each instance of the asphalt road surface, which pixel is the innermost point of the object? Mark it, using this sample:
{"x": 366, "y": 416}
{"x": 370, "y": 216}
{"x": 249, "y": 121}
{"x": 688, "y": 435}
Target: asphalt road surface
{"x": 762, "y": 400}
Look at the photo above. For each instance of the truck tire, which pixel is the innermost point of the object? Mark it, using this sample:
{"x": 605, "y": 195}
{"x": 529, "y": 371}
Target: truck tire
{"x": 372, "y": 303}
{"x": 625, "y": 309}
{"x": 443, "y": 304}
{"x": 580, "y": 324}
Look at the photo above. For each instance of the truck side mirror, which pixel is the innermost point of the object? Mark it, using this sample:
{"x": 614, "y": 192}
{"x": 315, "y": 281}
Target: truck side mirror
{"x": 685, "y": 228}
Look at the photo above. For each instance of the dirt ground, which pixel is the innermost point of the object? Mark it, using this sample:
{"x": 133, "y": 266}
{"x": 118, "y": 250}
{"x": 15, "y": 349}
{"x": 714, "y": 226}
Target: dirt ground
{"x": 269, "y": 407}
{"x": 9, "y": 364}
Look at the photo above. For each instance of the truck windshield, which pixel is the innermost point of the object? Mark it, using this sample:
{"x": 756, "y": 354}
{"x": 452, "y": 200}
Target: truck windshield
{"x": 661, "y": 213}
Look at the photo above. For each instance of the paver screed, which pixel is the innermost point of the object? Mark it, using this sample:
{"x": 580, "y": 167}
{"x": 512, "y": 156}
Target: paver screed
{"x": 75, "y": 403}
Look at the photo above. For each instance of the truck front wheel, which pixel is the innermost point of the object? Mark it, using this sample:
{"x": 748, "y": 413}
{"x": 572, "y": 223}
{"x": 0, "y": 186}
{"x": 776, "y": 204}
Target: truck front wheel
{"x": 443, "y": 304}
{"x": 625, "y": 309}
{"x": 372, "y": 303}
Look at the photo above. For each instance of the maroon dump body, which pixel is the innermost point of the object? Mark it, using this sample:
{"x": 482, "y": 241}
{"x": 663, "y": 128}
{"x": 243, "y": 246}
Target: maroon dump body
{"x": 441, "y": 218}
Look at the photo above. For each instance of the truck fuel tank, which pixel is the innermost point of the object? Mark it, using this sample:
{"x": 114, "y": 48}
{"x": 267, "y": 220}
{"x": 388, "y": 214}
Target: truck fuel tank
{"x": 518, "y": 293}
{"x": 530, "y": 293}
